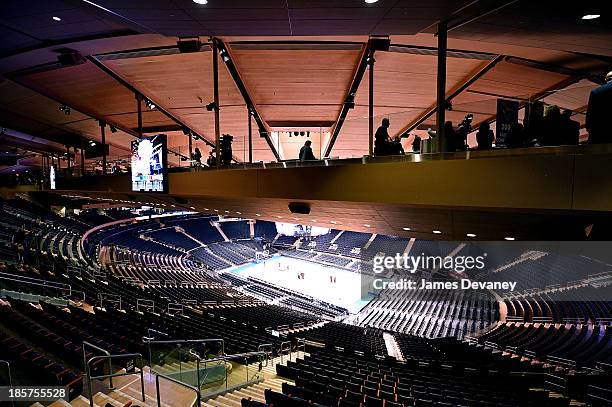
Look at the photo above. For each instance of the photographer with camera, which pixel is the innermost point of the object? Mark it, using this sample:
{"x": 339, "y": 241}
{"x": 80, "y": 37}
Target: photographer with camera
{"x": 462, "y": 132}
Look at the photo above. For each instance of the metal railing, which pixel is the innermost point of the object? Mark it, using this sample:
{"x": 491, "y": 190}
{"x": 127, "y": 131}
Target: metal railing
{"x": 110, "y": 298}
{"x": 148, "y": 305}
{"x": 283, "y": 349}
{"x": 10, "y": 378}
{"x": 263, "y": 347}
{"x": 300, "y": 343}
{"x": 198, "y": 400}
{"x": 178, "y": 342}
{"x": 64, "y": 289}
{"x": 107, "y": 356}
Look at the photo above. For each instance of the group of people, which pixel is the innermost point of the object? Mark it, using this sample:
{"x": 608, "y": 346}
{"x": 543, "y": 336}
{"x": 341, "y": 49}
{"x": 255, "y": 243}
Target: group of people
{"x": 552, "y": 127}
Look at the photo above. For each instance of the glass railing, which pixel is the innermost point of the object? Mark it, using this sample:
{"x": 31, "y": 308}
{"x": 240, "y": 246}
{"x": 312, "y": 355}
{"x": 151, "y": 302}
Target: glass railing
{"x": 202, "y": 364}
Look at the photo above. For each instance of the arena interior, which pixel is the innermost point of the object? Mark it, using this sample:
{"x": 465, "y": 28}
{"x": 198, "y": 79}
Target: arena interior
{"x": 290, "y": 203}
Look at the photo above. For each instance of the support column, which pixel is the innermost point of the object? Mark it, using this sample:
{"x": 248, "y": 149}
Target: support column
{"x": 215, "y": 60}
{"x": 82, "y": 158}
{"x": 190, "y": 149}
{"x": 250, "y": 136}
{"x": 68, "y": 156}
{"x": 371, "y": 105}
{"x": 103, "y": 136}
{"x": 139, "y": 113}
{"x": 441, "y": 88}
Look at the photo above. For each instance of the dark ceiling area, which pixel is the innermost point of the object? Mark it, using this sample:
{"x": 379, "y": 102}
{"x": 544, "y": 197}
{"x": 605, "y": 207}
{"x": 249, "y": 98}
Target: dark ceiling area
{"x": 30, "y": 24}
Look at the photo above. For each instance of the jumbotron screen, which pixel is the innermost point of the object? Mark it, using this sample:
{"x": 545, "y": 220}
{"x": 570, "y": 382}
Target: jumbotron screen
{"x": 149, "y": 164}
{"x": 289, "y": 229}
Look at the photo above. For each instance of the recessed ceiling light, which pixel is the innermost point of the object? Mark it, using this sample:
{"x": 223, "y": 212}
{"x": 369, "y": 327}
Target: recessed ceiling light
{"x": 371, "y": 1}
{"x": 590, "y": 16}
{"x": 200, "y": 1}
{"x": 258, "y": 214}
{"x": 366, "y": 225}
{"x": 508, "y": 238}
{"x": 471, "y": 235}
{"x": 56, "y": 18}
{"x": 332, "y": 221}
{"x": 437, "y": 232}
{"x": 406, "y": 229}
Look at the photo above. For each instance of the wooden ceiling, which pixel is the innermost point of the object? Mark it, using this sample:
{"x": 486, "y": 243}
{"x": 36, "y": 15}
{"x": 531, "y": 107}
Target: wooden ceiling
{"x": 293, "y": 85}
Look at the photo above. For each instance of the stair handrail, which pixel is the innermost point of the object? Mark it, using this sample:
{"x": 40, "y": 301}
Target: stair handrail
{"x": 284, "y": 349}
{"x": 173, "y": 380}
{"x": 10, "y": 378}
{"x": 108, "y": 356}
{"x": 263, "y": 347}
{"x": 301, "y": 341}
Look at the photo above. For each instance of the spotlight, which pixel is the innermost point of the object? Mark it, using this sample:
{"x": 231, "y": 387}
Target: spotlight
{"x": 471, "y": 235}
{"x": 112, "y": 128}
{"x": 150, "y": 105}
{"x": 371, "y": 1}
{"x": 185, "y": 131}
{"x": 437, "y": 232}
{"x": 202, "y": 2}
{"x": 509, "y": 238}
{"x": 590, "y": 16}
{"x": 211, "y": 106}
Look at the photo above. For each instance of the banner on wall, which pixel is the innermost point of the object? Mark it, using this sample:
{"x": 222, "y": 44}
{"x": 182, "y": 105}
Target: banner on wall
{"x": 507, "y": 115}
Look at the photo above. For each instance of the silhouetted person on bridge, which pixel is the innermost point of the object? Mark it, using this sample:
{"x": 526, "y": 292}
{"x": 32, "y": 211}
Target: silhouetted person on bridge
{"x": 599, "y": 112}
{"x": 382, "y": 142}
{"x": 570, "y": 129}
{"x": 306, "y": 153}
{"x": 484, "y": 136}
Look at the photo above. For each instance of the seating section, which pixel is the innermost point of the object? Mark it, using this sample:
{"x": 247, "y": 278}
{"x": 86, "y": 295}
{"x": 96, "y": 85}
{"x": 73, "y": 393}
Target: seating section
{"x": 431, "y": 313}
{"x": 235, "y": 230}
{"x": 326, "y": 378}
{"x": 582, "y": 344}
{"x": 583, "y": 303}
{"x": 348, "y": 337}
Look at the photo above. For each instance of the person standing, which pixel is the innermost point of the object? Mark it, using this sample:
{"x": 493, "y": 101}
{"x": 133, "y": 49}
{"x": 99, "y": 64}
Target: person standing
{"x": 599, "y": 113}
{"x": 382, "y": 143}
{"x": 306, "y": 153}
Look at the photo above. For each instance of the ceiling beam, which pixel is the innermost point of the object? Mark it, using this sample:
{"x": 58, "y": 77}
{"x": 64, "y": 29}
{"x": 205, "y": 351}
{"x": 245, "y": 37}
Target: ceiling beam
{"x": 453, "y": 93}
{"x": 349, "y": 100}
{"x": 233, "y": 71}
{"x": 94, "y": 60}
{"x": 82, "y": 109}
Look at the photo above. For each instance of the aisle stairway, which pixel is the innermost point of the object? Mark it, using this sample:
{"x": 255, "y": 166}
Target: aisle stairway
{"x": 127, "y": 389}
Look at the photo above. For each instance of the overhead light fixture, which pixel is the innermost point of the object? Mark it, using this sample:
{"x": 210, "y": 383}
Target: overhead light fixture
{"x": 508, "y": 238}
{"x": 366, "y": 225}
{"x": 471, "y": 235}
{"x": 150, "y": 105}
{"x": 371, "y": 1}
{"x": 590, "y": 16}
{"x": 406, "y": 229}
{"x": 202, "y": 2}
{"x": 112, "y": 128}
{"x": 332, "y": 222}
{"x": 56, "y": 18}
{"x": 436, "y": 232}
{"x": 258, "y": 214}
{"x": 211, "y": 106}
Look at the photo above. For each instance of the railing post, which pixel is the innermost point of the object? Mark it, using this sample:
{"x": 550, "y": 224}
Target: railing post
{"x": 10, "y": 379}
